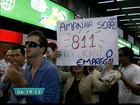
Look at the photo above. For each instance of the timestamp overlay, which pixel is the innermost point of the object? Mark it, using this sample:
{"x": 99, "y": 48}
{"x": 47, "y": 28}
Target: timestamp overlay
{"x": 28, "y": 91}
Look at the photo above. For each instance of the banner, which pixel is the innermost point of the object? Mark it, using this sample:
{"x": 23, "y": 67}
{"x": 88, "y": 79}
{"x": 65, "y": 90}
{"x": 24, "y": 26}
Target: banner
{"x": 92, "y": 41}
{"x": 42, "y": 13}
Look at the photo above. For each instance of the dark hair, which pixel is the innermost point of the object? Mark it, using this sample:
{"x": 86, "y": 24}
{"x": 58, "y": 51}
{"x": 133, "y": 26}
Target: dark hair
{"x": 21, "y": 47}
{"x": 42, "y": 38}
{"x": 52, "y": 45}
{"x": 128, "y": 52}
{"x": 84, "y": 69}
{"x": 4, "y": 53}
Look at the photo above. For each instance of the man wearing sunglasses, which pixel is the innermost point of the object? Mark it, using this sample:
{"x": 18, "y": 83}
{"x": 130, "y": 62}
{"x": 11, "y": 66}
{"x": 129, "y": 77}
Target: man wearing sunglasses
{"x": 40, "y": 74}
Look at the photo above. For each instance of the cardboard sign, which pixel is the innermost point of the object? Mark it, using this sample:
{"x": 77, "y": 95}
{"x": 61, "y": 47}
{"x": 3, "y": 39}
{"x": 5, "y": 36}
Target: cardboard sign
{"x": 92, "y": 41}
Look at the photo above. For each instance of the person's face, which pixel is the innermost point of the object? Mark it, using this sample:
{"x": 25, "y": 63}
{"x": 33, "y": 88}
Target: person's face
{"x": 18, "y": 58}
{"x": 32, "y": 47}
{"x": 77, "y": 69}
{"x": 49, "y": 52}
{"x": 9, "y": 56}
{"x": 122, "y": 58}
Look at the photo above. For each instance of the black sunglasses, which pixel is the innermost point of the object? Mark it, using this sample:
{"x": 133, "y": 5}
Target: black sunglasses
{"x": 31, "y": 44}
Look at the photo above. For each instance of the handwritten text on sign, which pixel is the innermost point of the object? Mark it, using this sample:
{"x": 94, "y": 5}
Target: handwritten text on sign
{"x": 88, "y": 41}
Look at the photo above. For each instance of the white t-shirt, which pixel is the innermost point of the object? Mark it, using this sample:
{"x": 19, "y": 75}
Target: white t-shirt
{"x": 132, "y": 73}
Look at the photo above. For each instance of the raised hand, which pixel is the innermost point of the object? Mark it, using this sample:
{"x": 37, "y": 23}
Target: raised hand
{"x": 15, "y": 74}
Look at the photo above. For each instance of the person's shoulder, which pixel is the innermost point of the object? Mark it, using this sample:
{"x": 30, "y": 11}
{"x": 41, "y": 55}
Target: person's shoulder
{"x": 50, "y": 65}
{"x": 136, "y": 67}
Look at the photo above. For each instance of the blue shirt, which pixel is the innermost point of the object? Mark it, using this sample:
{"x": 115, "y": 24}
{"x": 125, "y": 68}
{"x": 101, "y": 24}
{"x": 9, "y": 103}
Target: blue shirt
{"x": 48, "y": 77}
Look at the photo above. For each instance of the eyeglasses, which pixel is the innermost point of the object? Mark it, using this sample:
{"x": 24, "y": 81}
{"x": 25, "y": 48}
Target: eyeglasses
{"x": 31, "y": 44}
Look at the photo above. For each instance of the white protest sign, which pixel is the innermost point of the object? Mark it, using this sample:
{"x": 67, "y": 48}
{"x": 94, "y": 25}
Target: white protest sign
{"x": 92, "y": 41}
